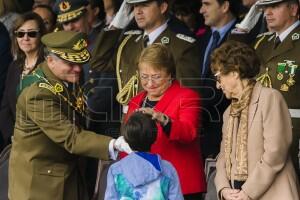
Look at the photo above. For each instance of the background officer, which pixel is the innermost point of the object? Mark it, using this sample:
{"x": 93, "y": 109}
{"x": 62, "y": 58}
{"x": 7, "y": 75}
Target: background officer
{"x": 103, "y": 110}
{"x": 47, "y": 139}
{"x": 279, "y": 52}
{"x": 151, "y": 18}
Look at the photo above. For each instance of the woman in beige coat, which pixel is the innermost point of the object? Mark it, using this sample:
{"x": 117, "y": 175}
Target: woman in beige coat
{"x": 254, "y": 162}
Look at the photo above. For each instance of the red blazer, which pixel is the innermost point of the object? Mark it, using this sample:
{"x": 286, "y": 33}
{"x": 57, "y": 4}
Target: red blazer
{"x": 181, "y": 148}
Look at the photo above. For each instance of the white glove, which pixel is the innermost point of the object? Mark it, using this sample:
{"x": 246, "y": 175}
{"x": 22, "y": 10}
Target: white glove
{"x": 121, "y": 145}
{"x": 123, "y": 17}
{"x": 250, "y": 19}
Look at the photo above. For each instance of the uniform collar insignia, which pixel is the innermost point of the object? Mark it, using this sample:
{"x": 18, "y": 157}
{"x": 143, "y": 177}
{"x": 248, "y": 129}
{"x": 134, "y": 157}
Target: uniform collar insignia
{"x": 58, "y": 88}
{"x": 186, "y": 38}
{"x": 165, "y": 40}
{"x": 64, "y": 6}
{"x": 81, "y": 44}
{"x": 295, "y": 36}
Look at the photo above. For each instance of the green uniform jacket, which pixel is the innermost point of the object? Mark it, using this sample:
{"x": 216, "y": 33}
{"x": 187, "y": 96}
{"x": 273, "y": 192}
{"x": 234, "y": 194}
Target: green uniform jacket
{"x": 287, "y": 50}
{"x": 184, "y": 49}
{"x": 44, "y": 157}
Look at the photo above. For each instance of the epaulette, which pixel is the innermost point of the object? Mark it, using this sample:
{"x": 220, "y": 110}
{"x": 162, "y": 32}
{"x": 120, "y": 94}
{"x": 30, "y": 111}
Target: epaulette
{"x": 264, "y": 34}
{"x": 261, "y": 37}
{"x": 133, "y": 32}
{"x": 185, "y": 38}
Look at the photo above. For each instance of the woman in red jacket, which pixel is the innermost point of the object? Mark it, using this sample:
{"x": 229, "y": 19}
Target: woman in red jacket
{"x": 177, "y": 109}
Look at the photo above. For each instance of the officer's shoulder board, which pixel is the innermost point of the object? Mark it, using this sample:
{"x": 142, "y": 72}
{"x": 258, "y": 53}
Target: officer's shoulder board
{"x": 133, "y": 32}
{"x": 185, "y": 38}
{"x": 264, "y": 34}
{"x": 261, "y": 37}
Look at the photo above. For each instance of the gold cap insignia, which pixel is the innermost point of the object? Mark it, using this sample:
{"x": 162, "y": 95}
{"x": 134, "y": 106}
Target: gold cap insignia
{"x": 81, "y": 44}
{"x": 64, "y": 6}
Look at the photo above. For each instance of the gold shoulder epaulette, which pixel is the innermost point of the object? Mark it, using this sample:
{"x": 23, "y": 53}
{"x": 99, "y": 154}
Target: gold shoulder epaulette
{"x": 261, "y": 37}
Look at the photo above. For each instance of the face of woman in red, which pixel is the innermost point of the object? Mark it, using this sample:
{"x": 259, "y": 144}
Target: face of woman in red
{"x": 154, "y": 81}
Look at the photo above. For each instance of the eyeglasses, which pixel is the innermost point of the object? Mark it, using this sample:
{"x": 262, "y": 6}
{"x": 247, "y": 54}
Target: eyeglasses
{"x": 154, "y": 78}
{"x": 32, "y": 34}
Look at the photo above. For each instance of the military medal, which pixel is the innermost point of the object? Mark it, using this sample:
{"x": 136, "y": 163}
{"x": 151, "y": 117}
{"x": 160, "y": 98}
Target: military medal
{"x": 284, "y": 87}
{"x": 292, "y": 70}
{"x": 79, "y": 103}
{"x": 280, "y": 70}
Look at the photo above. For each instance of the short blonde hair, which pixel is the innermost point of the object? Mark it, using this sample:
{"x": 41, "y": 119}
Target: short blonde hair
{"x": 160, "y": 57}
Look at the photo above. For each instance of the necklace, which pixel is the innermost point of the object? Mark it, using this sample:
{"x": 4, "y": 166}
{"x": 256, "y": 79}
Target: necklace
{"x": 144, "y": 102}
{"x": 28, "y": 68}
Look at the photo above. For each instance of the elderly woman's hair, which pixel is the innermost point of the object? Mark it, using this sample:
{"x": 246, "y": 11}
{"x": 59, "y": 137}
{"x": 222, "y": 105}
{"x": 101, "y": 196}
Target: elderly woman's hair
{"x": 16, "y": 51}
{"x": 140, "y": 131}
{"x": 233, "y": 56}
{"x": 159, "y": 56}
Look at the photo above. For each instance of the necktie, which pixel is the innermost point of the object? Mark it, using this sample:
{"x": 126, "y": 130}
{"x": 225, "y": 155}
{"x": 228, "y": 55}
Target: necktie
{"x": 214, "y": 44}
{"x": 145, "y": 40}
{"x": 276, "y": 42}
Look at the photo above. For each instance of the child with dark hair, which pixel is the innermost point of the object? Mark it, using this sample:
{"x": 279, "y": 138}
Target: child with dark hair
{"x": 142, "y": 175}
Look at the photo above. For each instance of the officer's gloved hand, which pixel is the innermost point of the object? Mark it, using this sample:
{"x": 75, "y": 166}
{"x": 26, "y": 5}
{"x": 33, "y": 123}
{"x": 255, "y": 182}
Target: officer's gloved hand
{"x": 250, "y": 19}
{"x": 123, "y": 17}
{"x": 121, "y": 145}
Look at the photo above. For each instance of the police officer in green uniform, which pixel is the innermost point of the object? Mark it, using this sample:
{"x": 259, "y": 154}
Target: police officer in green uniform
{"x": 47, "y": 142}
{"x": 151, "y": 17}
{"x": 279, "y": 52}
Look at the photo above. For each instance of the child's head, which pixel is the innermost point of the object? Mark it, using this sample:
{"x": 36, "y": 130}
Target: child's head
{"x": 140, "y": 131}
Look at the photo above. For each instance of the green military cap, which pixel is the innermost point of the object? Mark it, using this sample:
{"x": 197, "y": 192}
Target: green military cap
{"x": 137, "y": 1}
{"x": 68, "y": 10}
{"x": 269, "y": 2}
{"x": 68, "y": 45}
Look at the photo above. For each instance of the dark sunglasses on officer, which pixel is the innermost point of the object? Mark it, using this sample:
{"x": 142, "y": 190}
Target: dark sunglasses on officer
{"x": 31, "y": 34}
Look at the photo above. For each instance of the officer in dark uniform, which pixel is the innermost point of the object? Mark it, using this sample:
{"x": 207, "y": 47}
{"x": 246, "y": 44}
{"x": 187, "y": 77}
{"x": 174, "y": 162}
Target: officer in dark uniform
{"x": 47, "y": 139}
{"x": 184, "y": 48}
{"x": 279, "y": 52}
{"x": 103, "y": 110}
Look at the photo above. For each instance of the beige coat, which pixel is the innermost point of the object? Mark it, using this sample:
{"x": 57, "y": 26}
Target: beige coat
{"x": 271, "y": 175}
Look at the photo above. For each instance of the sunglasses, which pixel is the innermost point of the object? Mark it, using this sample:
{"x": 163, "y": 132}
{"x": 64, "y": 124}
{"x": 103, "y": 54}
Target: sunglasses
{"x": 32, "y": 34}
